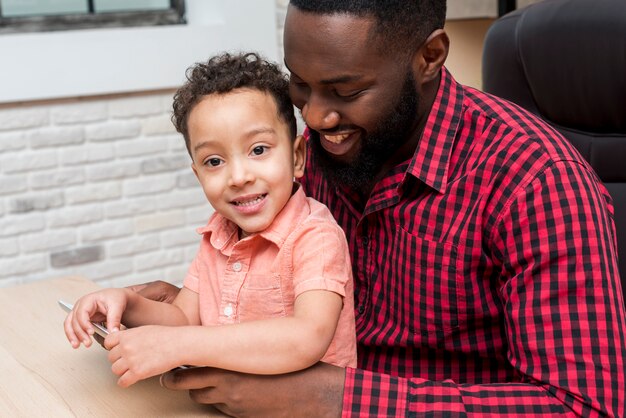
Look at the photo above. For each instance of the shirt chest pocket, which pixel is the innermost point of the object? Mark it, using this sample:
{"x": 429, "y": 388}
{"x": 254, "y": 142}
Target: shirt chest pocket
{"x": 260, "y": 297}
{"x": 435, "y": 293}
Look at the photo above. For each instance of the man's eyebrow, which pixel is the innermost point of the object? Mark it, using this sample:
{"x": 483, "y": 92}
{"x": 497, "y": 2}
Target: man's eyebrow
{"x": 335, "y": 80}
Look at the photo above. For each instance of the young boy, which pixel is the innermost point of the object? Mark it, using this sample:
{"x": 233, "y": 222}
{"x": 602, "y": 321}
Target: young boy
{"x": 272, "y": 270}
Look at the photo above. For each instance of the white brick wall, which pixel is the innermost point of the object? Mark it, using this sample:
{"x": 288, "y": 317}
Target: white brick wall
{"x": 99, "y": 187}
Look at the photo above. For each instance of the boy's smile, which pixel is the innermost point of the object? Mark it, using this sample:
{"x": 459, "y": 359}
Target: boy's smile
{"x": 244, "y": 156}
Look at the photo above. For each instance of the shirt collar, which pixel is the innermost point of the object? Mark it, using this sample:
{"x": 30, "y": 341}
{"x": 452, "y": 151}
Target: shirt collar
{"x": 431, "y": 159}
{"x": 222, "y": 231}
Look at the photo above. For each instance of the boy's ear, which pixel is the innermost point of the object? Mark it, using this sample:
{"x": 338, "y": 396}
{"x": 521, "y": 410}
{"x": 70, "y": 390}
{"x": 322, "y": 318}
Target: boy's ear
{"x": 299, "y": 156}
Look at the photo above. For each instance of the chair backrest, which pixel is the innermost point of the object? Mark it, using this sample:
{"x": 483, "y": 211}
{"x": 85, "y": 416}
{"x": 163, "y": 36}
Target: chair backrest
{"x": 565, "y": 60}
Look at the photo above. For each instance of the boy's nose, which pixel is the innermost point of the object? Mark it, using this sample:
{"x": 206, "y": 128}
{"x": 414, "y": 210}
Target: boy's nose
{"x": 240, "y": 174}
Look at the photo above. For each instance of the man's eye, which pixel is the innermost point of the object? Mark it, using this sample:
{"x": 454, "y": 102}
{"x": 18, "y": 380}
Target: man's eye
{"x": 213, "y": 162}
{"x": 348, "y": 95}
{"x": 259, "y": 149}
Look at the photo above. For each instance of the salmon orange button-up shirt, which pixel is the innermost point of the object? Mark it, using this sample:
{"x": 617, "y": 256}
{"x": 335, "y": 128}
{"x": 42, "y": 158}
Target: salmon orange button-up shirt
{"x": 261, "y": 275}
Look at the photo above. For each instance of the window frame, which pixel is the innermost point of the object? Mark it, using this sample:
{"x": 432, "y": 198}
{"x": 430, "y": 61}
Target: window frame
{"x": 175, "y": 15}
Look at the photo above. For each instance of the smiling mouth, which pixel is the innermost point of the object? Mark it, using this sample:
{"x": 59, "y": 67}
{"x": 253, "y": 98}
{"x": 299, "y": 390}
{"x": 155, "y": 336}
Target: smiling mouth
{"x": 245, "y": 202}
{"x": 336, "y": 139}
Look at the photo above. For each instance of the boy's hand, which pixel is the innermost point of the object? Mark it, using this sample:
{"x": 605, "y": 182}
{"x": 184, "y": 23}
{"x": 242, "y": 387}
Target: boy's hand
{"x": 104, "y": 305}
{"x": 142, "y": 352}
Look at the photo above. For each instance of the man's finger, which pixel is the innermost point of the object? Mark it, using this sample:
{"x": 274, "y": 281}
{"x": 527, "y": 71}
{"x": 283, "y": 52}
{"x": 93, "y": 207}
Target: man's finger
{"x": 193, "y": 378}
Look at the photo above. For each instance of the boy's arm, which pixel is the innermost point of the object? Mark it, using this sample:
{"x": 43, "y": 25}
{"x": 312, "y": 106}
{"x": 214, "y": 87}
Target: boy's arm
{"x": 268, "y": 346}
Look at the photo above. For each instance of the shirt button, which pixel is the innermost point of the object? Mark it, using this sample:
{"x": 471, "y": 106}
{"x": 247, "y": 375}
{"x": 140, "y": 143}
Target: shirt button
{"x": 361, "y": 309}
{"x": 237, "y": 266}
{"x": 228, "y": 311}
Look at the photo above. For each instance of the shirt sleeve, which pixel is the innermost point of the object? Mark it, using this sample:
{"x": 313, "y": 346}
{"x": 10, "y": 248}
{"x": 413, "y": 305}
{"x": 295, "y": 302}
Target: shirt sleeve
{"x": 322, "y": 260}
{"x": 563, "y": 311}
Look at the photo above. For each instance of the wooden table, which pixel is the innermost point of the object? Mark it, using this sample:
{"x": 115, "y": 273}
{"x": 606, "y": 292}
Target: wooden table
{"x": 42, "y": 375}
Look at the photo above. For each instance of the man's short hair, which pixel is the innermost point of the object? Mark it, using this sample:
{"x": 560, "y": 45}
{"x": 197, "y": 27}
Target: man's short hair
{"x": 402, "y": 24}
{"x": 224, "y": 73}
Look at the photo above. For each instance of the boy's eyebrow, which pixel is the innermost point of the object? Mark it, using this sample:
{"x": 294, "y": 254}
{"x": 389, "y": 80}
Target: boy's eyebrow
{"x": 252, "y": 132}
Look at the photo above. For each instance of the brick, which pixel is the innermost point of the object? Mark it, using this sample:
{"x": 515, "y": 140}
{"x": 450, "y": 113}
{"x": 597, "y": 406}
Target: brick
{"x": 177, "y": 144}
{"x": 157, "y": 125}
{"x": 24, "y": 161}
{"x": 106, "y": 230}
{"x": 105, "y": 270}
{"x": 37, "y": 202}
{"x": 158, "y": 259}
{"x": 141, "y": 147}
{"x": 191, "y": 252}
{"x": 186, "y": 180}
{"x": 130, "y": 207}
{"x": 76, "y": 256}
{"x": 78, "y": 113}
{"x": 110, "y": 130}
{"x": 129, "y": 107}
{"x": 47, "y": 240}
{"x": 21, "y": 223}
{"x": 12, "y": 184}
{"x": 133, "y": 245}
{"x": 180, "y": 238}
{"x": 198, "y": 216}
{"x": 163, "y": 164}
{"x": 93, "y": 192}
{"x": 56, "y": 136}
{"x": 182, "y": 199}
{"x": 18, "y": 266}
{"x": 57, "y": 178}
{"x": 149, "y": 185}
{"x": 74, "y": 216}
{"x": 115, "y": 169}
{"x": 87, "y": 153}
{"x": 159, "y": 221}
{"x": 12, "y": 141}
{"x": 23, "y": 118}
{"x": 167, "y": 100}
{"x": 8, "y": 247}
{"x": 176, "y": 275}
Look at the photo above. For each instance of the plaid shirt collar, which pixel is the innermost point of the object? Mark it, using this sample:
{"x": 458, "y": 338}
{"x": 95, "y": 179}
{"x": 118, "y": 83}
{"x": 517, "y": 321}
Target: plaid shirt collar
{"x": 431, "y": 159}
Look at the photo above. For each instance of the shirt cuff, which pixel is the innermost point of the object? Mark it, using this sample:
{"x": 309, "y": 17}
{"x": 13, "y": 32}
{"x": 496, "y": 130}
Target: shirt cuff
{"x": 372, "y": 394}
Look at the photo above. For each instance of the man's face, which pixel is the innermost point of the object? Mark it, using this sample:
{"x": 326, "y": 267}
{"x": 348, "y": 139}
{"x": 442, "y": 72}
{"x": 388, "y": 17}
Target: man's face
{"x": 360, "y": 103}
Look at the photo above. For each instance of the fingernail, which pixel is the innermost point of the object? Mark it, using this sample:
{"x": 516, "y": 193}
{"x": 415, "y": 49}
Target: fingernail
{"x": 115, "y": 329}
{"x": 161, "y": 380}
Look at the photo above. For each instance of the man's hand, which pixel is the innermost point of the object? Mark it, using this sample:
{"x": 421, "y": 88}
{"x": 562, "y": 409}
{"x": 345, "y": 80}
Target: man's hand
{"x": 313, "y": 392}
{"x": 158, "y": 290}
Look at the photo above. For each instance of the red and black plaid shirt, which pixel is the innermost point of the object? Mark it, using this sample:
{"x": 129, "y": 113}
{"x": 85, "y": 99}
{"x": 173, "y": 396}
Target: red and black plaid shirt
{"x": 485, "y": 272}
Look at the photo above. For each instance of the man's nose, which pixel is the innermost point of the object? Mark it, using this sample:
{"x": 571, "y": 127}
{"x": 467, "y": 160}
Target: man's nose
{"x": 319, "y": 115}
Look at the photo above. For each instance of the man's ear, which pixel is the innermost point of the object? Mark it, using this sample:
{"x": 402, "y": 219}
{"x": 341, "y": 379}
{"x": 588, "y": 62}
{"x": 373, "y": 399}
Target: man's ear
{"x": 431, "y": 56}
{"x": 299, "y": 156}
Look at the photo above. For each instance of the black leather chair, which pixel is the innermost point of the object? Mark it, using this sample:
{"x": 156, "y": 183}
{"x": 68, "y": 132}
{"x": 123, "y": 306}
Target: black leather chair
{"x": 565, "y": 60}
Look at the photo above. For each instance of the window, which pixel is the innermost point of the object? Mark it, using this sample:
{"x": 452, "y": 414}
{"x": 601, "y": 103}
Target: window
{"x": 55, "y": 15}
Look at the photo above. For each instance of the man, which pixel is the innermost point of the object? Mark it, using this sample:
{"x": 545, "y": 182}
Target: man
{"x": 483, "y": 246}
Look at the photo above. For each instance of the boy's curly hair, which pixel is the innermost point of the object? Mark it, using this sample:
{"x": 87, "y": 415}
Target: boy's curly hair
{"x": 226, "y": 72}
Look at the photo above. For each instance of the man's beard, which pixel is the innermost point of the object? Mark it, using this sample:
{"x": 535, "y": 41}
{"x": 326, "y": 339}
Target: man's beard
{"x": 376, "y": 147}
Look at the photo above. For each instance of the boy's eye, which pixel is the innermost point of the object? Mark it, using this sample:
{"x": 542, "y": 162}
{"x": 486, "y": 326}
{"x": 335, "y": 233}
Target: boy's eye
{"x": 213, "y": 162}
{"x": 258, "y": 150}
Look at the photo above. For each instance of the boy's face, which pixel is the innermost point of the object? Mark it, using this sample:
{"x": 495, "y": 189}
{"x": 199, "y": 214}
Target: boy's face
{"x": 244, "y": 157}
